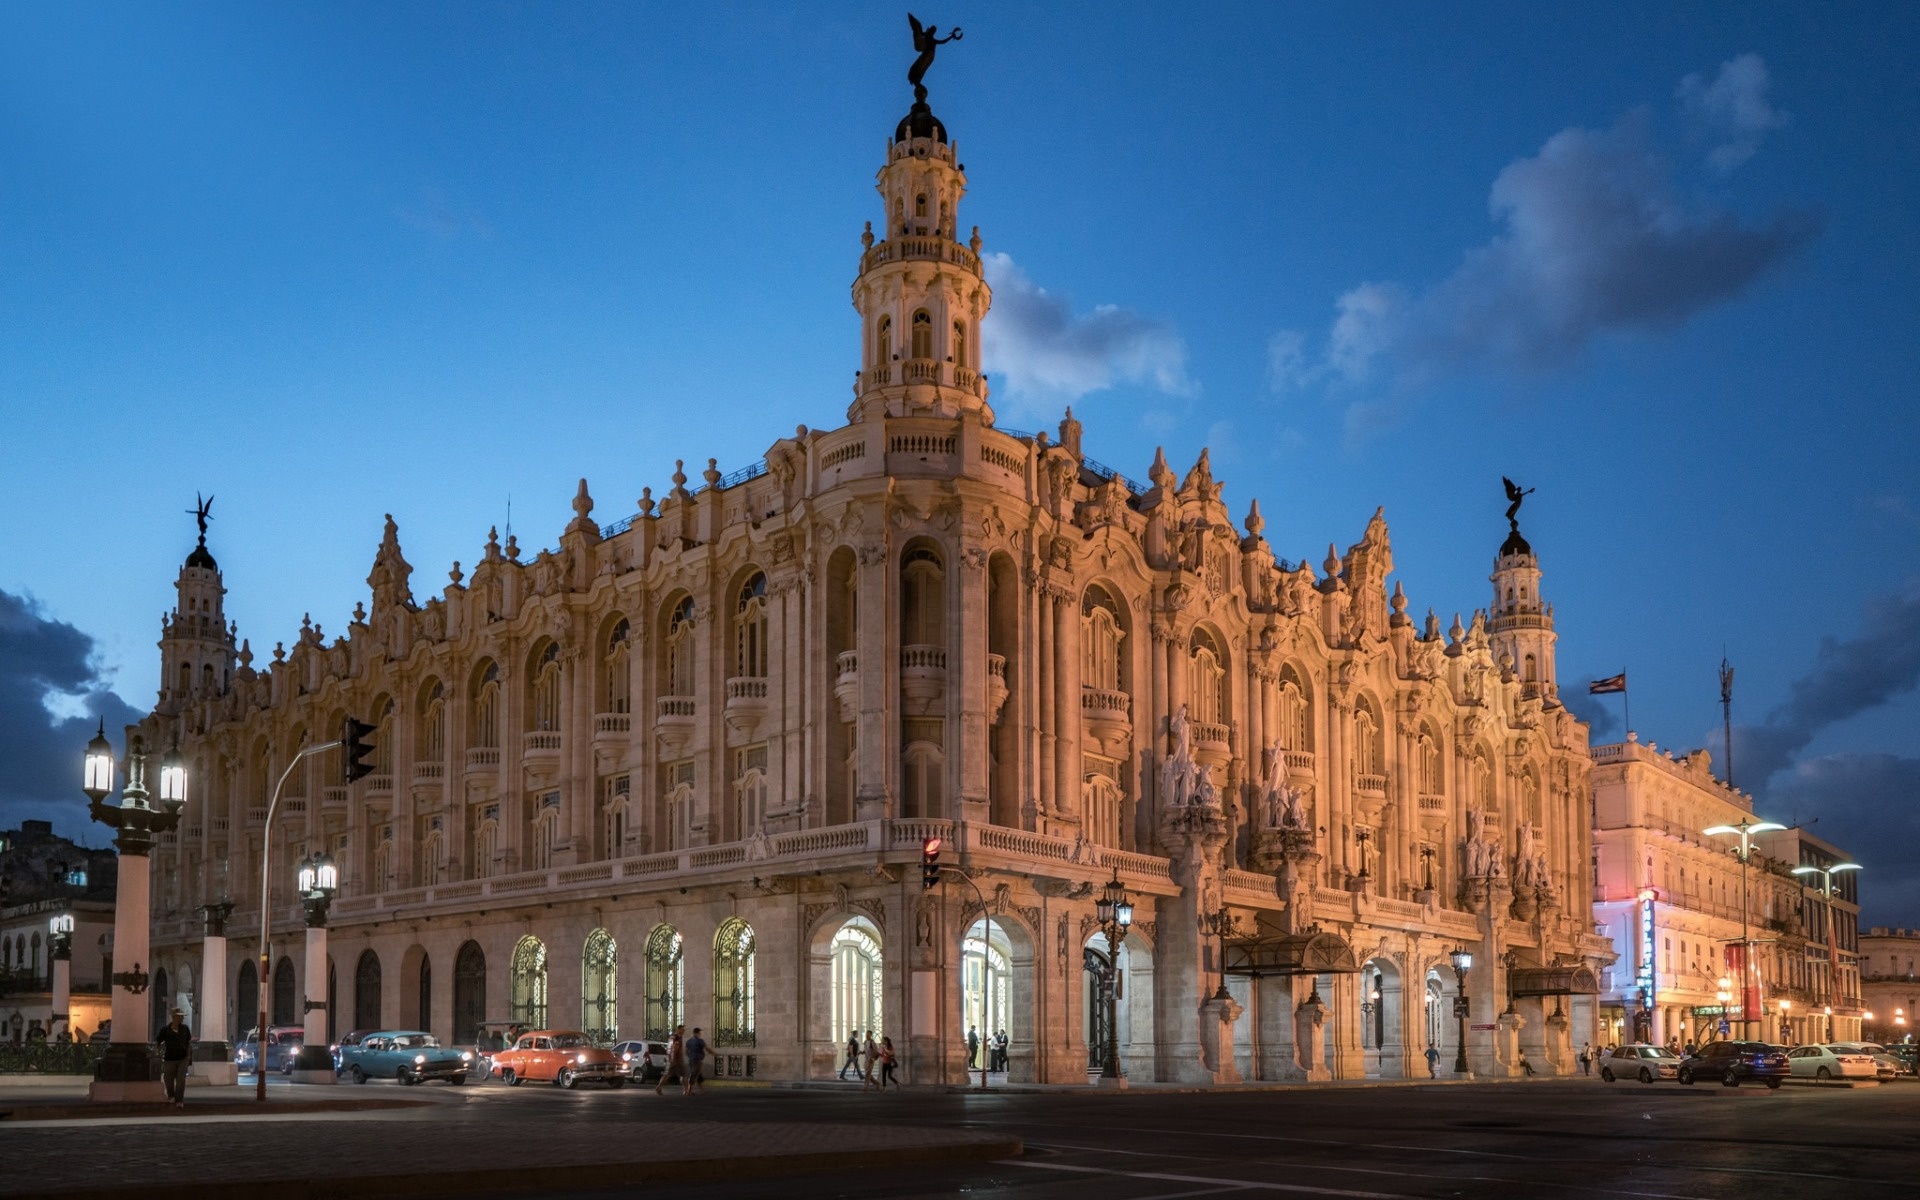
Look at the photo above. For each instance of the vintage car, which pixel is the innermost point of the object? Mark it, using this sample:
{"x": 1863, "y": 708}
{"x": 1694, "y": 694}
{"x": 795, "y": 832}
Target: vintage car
{"x": 489, "y": 1039}
{"x": 408, "y": 1055}
{"x": 564, "y": 1057}
{"x": 283, "y": 1043}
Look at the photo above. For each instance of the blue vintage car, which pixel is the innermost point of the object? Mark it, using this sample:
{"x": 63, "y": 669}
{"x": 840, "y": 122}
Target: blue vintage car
{"x": 409, "y": 1055}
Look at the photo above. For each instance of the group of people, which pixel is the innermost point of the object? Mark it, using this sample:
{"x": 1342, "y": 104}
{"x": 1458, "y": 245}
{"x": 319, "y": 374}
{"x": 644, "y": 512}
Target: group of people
{"x": 864, "y": 1057}
{"x": 996, "y": 1049}
{"x": 686, "y": 1061}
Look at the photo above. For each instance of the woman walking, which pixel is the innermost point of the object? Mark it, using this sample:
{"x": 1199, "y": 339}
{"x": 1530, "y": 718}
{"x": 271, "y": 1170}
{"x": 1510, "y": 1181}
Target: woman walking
{"x": 887, "y": 1065}
{"x": 676, "y": 1060}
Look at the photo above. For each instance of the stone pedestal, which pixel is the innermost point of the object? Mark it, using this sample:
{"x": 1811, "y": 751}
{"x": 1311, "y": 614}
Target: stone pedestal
{"x": 61, "y": 1018}
{"x": 314, "y": 1062}
{"x": 129, "y": 1070}
{"x": 212, "y": 1053}
{"x": 1309, "y": 1022}
{"x": 1216, "y": 1038}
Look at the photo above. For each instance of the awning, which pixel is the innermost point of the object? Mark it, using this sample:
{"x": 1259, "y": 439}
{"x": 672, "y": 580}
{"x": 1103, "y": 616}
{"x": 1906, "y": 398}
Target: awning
{"x": 1572, "y": 980}
{"x": 1309, "y": 953}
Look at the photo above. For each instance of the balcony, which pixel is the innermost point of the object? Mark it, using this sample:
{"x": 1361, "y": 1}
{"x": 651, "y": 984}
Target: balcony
{"x": 846, "y": 685}
{"x": 612, "y": 726}
{"x": 429, "y": 772}
{"x": 1299, "y": 763}
{"x": 673, "y": 721}
{"x": 1106, "y": 718}
{"x": 1212, "y": 742}
{"x": 380, "y": 782}
{"x": 541, "y": 743}
{"x": 333, "y": 798}
{"x": 483, "y": 760}
{"x": 996, "y": 686}
{"x": 1433, "y": 811}
{"x": 746, "y": 703}
{"x": 923, "y": 674}
{"x": 1370, "y": 785}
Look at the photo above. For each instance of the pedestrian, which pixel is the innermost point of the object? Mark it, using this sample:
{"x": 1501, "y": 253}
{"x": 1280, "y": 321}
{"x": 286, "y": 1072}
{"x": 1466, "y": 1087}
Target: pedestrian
{"x": 696, "y": 1058}
{"x": 676, "y": 1060}
{"x": 176, "y": 1050}
{"x": 870, "y": 1053}
{"x": 887, "y": 1064}
{"x": 973, "y": 1048}
{"x": 1586, "y": 1059}
{"x": 1433, "y": 1062}
{"x": 853, "y": 1055}
{"x": 1688, "y": 1052}
{"x": 1001, "y": 1042}
{"x": 1525, "y": 1066}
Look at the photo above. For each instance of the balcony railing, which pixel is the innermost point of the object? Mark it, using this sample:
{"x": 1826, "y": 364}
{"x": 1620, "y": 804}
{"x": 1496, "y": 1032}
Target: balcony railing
{"x": 1211, "y": 733}
{"x": 483, "y": 758}
{"x": 1104, "y": 702}
{"x": 379, "y": 782}
{"x": 1373, "y": 785}
{"x": 1299, "y": 762}
{"x": 747, "y": 687}
{"x": 541, "y": 743}
{"x": 612, "y": 724}
{"x": 923, "y": 658}
{"x": 674, "y": 708}
{"x": 1433, "y": 805}
{"x": 429, "y": 772}
{"x": 848, "y": 663}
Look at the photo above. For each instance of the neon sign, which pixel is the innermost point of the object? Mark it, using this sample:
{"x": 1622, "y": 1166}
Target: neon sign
{"x": 1644, "y": 980}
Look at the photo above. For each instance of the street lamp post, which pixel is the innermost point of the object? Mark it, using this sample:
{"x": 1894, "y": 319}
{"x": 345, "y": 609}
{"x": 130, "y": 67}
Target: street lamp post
{"x": 1462, "y": 962}
{"x": 318, "y": 883}
{"x": 1115, "y": 913}
{"x": 128, "y": 1070}
{"x": 1744, "y": 830}
{"x": 266, "y": 910}
{"x": 60, "y": 942}
{"x": 1826, "y": 875}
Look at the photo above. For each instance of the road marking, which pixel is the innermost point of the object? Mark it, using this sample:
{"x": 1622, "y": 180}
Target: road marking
{"x": 1212, "y": 1191}
{"x": 1219, "y": 1184}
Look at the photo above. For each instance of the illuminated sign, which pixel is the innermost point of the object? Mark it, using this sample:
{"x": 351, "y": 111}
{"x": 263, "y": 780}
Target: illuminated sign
{"x": 1644, "y": 980}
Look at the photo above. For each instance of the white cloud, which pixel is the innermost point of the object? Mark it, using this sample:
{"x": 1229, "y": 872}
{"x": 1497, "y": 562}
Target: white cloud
{"x": 1594, "y": 237}
{"x": 1041, "y": 348}
{"x": 1734, "y": 106}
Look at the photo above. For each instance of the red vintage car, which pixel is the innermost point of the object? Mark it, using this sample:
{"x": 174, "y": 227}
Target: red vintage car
{"x": 565, "y": 1057}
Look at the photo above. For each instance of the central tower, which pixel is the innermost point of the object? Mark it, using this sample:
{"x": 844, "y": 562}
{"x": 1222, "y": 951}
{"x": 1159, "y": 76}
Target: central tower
{"x": 920, "y": 293}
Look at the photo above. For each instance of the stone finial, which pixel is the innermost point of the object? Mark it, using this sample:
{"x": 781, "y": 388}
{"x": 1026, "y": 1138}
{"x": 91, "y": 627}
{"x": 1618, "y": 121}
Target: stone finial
{"x": 513, "y": 547}
{"x": 646, "y": 502}
{"x": 582, "y": 501}
{"x": 1255, "y": 522}
{"x": 1456, "y": 631}
{"x": 359, "y": 613}
{"x": 866, "y": 237}
{"x": 456, "y": 574}
{"x": 1332, "y": 564}
{"x": 1432, "y": 631}
{"x": 246, "y": 656}
{"x": 1399, "y": 605}
{"x": 712, "y": 473}
{"x": 974, "y": 243}
{"x": 679, "y": 480}
{"x": 493, "y": 544}
{"x": 279, "y": 652}
{"x": 1160, "y": 473}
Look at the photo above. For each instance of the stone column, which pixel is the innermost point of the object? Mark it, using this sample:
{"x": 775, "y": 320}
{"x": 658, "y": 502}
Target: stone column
{"x": 62, "y": 970}
{"x": 1308, "y": 1019}
{"x": 1198, "y": 1028}
{"x": 212, "y": 1055}
{"x": 129, "y": 1070}
{"x": 314, "y": 1062}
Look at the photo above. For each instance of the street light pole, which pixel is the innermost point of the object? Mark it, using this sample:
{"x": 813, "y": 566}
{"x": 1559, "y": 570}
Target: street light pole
{"x": 1745, "y": 830}
{"x": 1115, "y": 914}
{"x": 60, "y": 931}
{"x": 1826, "y": 875}
{"x": 1462, "y": 962}
{"x": 266, "y": 916}
{"x": 318, "y": 882}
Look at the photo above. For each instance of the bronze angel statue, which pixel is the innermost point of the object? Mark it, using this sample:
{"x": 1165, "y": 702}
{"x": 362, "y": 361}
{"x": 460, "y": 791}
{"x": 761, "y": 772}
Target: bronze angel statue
{"x": 925, "y": 40}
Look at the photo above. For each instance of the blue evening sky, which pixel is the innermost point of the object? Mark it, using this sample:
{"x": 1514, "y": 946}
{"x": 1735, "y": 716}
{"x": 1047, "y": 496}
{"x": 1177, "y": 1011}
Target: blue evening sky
{"x": 333, "y": 261}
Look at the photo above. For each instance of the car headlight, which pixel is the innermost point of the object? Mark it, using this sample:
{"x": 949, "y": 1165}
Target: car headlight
{"x": 466, "y": 1056}
{"x": 419, "y": 1058}
{"x": 628, "y": 1057}
{"x": 581, "y": 1059}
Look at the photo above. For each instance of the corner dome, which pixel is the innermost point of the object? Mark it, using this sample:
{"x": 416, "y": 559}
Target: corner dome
{"x": 201, "y": 558}
{"x": 1515, "y": 544}
{"x": 920, "y": 123}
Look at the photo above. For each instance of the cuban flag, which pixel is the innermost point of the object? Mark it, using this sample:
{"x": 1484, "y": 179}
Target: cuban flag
{"x": 1612, "y": 683}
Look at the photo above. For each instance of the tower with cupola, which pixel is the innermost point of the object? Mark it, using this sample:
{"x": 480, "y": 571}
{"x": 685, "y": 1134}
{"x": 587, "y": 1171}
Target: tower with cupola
{"x": 921, "y": 293}
{"x": 196, "y": 643}
{"x": 1520, "y": 622}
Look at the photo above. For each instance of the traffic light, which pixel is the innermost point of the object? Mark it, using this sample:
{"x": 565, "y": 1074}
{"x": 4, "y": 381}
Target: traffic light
{"x": 929, "y": 863}
{"x": 355, "y": 749}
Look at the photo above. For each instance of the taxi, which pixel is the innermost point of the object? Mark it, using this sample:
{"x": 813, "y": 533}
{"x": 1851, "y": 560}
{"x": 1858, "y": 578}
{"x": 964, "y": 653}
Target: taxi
{"x": 563, "y": 1057}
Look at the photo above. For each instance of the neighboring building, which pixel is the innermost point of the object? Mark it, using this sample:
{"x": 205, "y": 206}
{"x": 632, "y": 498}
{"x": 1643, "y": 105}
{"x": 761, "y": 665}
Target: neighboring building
{"x": 1890, "y": 982}
{"x": 44, "y": 876}
{"x": 680, "y": 768}
{"x": 1819, "y": 998}
{"x": 1669, "y": 896}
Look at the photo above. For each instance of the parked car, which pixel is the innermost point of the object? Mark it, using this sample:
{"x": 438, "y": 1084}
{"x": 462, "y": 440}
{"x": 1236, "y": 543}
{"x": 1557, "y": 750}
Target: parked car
{"x": 283, "y": 1043}
{"x": 408, "y": 1055}
{"x": 1886, "y": 1066}
{"x": 1908, "y": 1056}
{"x": 1734, "y": 1063}
{"x": 1829, "y": 1062}
{"x": 565, "y": 1057}
{"x": 491, "y": 1038}
{"x": 1640, "y": 1061}
{"x": 645, "y": 1061}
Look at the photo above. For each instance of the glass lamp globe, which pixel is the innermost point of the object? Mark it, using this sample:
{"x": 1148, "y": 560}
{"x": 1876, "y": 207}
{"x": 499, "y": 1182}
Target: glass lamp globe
{"x": 173, "y": 778}
{"x": 99, "y": 774}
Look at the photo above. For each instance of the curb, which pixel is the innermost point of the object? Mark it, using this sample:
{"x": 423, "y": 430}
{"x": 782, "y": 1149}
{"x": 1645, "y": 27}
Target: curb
{"x": 86, "y": 1110}
{"x": 552, "y": 1178}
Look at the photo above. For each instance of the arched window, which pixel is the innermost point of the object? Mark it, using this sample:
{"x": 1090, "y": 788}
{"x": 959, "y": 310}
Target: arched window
{"x": 733, "y": 984}
{"x": 1433, "y": 769}
{"x": 679, "y": 649}
{"x": 920, "y": 205}
{"x": 432, "y": 744}
{"x": 1529, "y": 670}
{"x": 1295, "y": 712}
{"x": 380, "y": 869}
{"x": 1482, "y": 789}
{"x": 617, "y": 662}
{"x": 1207, "y": 682}
{"x": 1104, "y": 799}
{"x": 1530, "y": 797}
{"x": 545, "y": 706}
{"x": 545, "y": 831}
{"x": 665, "y": 981}
{"x": 529, "y": 998}
{"x": 485, "y": 734}
{"x": 923, "y": 766}
{"x": 469, "y": 993}
{"x": 883, "y": 342}
{"x": 383, "y": 739}
{"x": 1369, "y": 755}
{"x": 246, "y": 997}
{"x": 614, "y": 811}
{"x": 599, "y": 988}
{"x": 285, "y": 1000}
{"x": 750, "y": 628}
{"x": 959, "y": 346}
{"x": 922, "y": 598}
{"x": 679, "y": 805}
{"x": 433, "y": 852}
{"x": 486, "y": 842}
{"x": 922, "y": 335}
{"x": 750, "y": 789}
{"x": 857, "y": 979}
{"x": 1100, "y": 638}
{"x": 366, "y": 992}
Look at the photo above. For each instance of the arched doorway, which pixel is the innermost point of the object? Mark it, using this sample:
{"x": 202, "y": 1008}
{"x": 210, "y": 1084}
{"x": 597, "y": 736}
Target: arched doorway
{"x": 528, "y": 1002}
{"x": 246, "y": 1000}
{"x": 1382, "y": 1020}
{"x": 469, "y": 993}
{"x": 986, "y": 990}
{"x": 1436, "y": 1023}
{"x": 846, "y": 989}
{"x": 600, "y": 988}
{"x": 285, "y": 1000}
{"x": 1133, "y": 1005}
{"x": 366, "y": 991}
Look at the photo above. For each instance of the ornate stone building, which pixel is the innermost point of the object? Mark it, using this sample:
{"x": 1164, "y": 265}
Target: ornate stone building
{"x": 679, "y": 768}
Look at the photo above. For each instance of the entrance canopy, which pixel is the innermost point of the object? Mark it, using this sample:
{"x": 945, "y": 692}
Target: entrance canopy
{"x": 1571, "y": 980}
{"x": 1312, "y": 952}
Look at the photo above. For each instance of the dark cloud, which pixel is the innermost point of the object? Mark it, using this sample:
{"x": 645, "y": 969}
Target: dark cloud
{"x": 1865, "y": 804}
{"x": 1043, "y": 349}
{"x": 1595, "y": 237}
{"x": 41, "y": 660}
{"x": 1733, "y": 110}
{"x": 1602, "y": 721}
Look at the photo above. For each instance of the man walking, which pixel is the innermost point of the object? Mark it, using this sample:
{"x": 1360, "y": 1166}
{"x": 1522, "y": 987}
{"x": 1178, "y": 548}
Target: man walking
{"x": 676, "y": 1060}
{"x": 696, "y": 1058}
{"x": 853, "y": 1054}
{"x": 176, "y": 1050}
{"x": 1433, "y": 1061}
{"x": 973, "y": 1048}
{"x": 870, "y": 1055}
{"x": 1586, "y": 1059}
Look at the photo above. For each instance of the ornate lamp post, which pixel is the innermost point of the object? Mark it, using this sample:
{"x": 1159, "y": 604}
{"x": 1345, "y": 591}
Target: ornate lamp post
{"x": 318, "y": 883}
{"x": 60, "y": 942}
{"x": 1826, "y": 875}
{"x": 1115, "y": 913}
{"x": 1745, "y": 830}
{"x": 212, "y": 1055}
{"x": 1462, "y": 963}
{"x": 129, "y": 1070}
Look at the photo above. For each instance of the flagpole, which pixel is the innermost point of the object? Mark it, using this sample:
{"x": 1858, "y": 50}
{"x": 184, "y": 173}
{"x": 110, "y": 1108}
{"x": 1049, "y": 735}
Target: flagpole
{"x": 1626, "y": 705}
